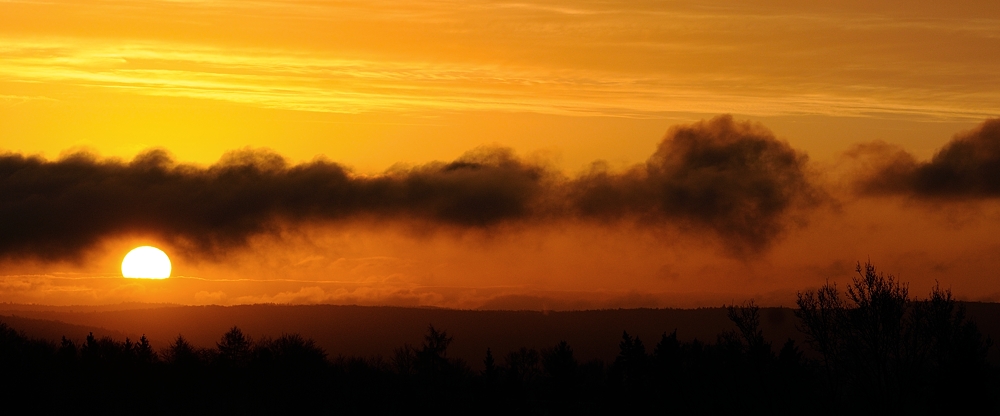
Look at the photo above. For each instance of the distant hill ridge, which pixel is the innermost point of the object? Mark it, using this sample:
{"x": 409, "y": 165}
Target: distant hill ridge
{"x": 378, "y": 330}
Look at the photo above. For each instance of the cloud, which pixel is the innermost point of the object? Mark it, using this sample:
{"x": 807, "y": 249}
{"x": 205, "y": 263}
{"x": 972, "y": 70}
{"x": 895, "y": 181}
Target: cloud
{"x": 732, "y": 179}
{"x": 57, "y": 209}
{"x": 296, "y": 79}
{"x": 359, "y": 296}
{"x": 967, "y": 167}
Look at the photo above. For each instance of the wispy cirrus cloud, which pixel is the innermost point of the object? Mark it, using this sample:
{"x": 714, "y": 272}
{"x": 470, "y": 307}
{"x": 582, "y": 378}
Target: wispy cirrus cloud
{"x": 587, "y": 58}
{"x": 307, "y": 82}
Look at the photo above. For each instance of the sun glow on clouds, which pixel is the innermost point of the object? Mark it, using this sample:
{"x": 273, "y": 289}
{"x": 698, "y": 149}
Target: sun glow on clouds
{"x": 301, "y": 76}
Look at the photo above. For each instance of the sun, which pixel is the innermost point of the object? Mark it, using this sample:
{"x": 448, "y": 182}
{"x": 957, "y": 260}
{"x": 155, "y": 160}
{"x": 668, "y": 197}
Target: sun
{"x": 146, "y": 262}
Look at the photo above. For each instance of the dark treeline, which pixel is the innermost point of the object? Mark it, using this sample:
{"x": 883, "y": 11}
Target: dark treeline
{"x": 877, "y": 351}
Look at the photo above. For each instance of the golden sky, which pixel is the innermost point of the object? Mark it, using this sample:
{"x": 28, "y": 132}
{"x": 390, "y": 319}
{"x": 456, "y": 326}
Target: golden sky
{"x": 860, "y": 97}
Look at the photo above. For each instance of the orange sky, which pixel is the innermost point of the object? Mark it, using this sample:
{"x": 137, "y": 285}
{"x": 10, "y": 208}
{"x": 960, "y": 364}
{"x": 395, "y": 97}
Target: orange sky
{"x": 375, "y": 86}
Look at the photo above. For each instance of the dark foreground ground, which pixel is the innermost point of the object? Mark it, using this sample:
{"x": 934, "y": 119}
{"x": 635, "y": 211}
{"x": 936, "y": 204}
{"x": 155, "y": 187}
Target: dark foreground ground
{"x": 267, "y": 359}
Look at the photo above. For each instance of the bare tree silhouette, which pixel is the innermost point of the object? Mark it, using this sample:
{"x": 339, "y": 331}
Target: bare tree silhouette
{"x": 880, "y": 345}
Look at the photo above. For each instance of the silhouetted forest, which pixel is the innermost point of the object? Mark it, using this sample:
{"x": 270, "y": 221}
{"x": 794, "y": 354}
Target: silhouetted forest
{"x": 876, "y": 349}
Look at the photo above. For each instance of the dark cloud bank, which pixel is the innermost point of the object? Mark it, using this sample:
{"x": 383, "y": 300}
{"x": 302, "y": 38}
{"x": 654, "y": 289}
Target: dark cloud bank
{"x": 732, "y": 179}
{"x": 968, "y": 167}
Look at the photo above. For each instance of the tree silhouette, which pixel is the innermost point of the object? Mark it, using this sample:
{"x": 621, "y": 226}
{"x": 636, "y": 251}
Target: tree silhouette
{"x": 90, "y": 349}
{"x": 667, "y": 355}
{"x": 67, "y": 351}
{"x": 521, "y": 366}
{"x": 105, "y": 351}
{"x": 559, "y": 364}
{"x": 181, "y": 354}
{"x": 404, "y": 360}
{"x": 790, "y": 354}
{"x": 489, "y": 367}
{"x": 747, "y": 320}
{"x": 631, "y": 362}
{"x": 289, "y": 353}
{"x": 144, "y": 352}
{"x": 432, "y": 358}
{"x": 881, "y": 345}
{"x": 234, "y": 348}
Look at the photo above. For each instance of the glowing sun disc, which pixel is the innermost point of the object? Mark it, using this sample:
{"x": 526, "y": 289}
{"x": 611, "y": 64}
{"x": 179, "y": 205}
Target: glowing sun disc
{"x": 146, "y": 263}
